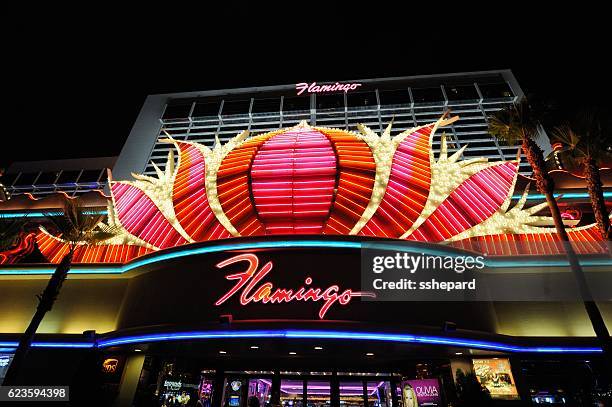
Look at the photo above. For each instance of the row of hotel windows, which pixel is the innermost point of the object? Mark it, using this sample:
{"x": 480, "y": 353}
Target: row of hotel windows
{"x": 180, "y": 109}
{"x": 65, "y": 177}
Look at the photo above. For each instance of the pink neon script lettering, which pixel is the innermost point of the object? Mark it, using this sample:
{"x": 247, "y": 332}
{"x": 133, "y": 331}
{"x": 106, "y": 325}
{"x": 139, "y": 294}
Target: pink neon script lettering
{"x": 314, "y": 88}
{"x": 248, "y": 281}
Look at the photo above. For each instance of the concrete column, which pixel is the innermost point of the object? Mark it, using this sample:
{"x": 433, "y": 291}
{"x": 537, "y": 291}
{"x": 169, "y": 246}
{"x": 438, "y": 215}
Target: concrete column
{"x": 129, "y": 380}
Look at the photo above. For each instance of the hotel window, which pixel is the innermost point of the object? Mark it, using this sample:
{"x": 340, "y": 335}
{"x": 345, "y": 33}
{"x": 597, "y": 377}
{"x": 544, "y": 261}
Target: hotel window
{"x": 92, "y": 176}
{"x": 292, "y": 103}
{"x": 177, "y": 109}
{"x": 236, "y": 107}
{"x": 500, "y": 90}
{"x": 267, "y": 105}
{"x": 333, "y": 101}
{"x": 47, "y": 178}
{"x": 426, "y": 96}
{"x": 206, "y": 109}
{"x": 27, "y": 178}
{"x": 68, "y": 177}
{"x": 461, "y": 92}
{"x": 8, "y": 179}
{"x": 361, "y": 99}
{"x": 394, "y": 97}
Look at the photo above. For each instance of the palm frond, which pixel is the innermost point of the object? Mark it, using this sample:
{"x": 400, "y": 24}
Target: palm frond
{"x": 586, "y": 136}
{"x": 76, "y": 224}
{"x": 10, "y": 231}
{"x": 513, "y": 123}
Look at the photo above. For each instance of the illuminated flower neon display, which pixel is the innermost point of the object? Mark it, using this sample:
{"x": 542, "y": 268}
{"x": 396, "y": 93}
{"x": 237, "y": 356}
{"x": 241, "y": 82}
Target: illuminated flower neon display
{"x": 316, "y": 180}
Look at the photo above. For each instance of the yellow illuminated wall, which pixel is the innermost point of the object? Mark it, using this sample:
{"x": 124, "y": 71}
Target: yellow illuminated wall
{"x": 94, "y": 303}
{"x": 547, "y": 318}
{"x": 83, "y": 304}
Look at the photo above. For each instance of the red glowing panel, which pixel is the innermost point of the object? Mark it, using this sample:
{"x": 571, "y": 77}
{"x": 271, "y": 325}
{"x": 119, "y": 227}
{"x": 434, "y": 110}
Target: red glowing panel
{"x": 293, "y": 179}
{"x": 584, "y": 241}
{"x": 473, "y": 202}
{"x": 189, "y": 196}
{"x": 356, "y": 172}
{"x": 140, "y": 216}
{"x": 22, "y": 247}
{"x": 54, "y": 250}
{"x": 233, "y": 187}
{"x": 407, "y": 190}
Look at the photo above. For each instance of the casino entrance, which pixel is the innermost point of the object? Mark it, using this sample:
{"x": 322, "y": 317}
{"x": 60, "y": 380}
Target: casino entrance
{"x": 271, "y": 373}
{"x": 306, "y": 389}
{"x": 251, "y": 388}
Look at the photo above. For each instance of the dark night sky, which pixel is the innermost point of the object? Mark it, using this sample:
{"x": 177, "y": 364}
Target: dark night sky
{"x": 76, "y": 84}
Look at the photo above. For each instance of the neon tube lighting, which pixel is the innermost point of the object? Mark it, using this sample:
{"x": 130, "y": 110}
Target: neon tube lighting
{"x": 305, "y": 334}
{"x": 571, "y": 195}
{"x": 161, "y": 256}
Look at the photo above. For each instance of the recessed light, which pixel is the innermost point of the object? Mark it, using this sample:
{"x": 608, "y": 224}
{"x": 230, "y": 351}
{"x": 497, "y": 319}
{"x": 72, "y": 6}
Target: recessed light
{"x": 137, "y": 350}
{"x": 292, "y": 353}
{"x": 222, "y": 352}
{"x": 318, "y": 348}
{"x": 458, "y": 353}
{"x": 254, "y": 347}
{"x": 369, "y": 354}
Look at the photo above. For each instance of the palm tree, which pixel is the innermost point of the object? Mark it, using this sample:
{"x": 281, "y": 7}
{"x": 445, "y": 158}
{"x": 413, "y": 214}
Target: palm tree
{"x": 76, "y": 226}
{"x": 10, "y": 232}
{"x": 585, "y": 140}
{"x": 519, "y": 124}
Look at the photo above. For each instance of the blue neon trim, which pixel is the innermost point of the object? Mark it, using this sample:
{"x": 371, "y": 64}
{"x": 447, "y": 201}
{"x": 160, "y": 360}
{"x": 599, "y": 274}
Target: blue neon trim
{"x": 81, "y": 345}
{"x": 161, "y": 256}
{"x": 314, "y": 334}
{"x": 10, "y": 215}
{"x": 307, "y": 334}
{"x": 569, "y": 195}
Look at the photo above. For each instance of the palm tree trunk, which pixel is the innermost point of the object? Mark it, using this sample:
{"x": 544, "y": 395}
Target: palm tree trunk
{"x": 595, "y": 187}
{"x": 545, "y": 185}
{"x": 45, "y": 303}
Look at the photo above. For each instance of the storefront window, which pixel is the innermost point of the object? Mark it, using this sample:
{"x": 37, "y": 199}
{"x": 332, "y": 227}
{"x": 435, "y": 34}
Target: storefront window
{"x": 5, "y": 361}
{"x": 234, "y": 392}
{"x": 379, "y": 394}
{"x": 205, "y": 391}
{"x": 351, "y": 394}
{"x": 260, "y": 389}
{"x": 318, "y": 393}
{"x": 292, "y": 393}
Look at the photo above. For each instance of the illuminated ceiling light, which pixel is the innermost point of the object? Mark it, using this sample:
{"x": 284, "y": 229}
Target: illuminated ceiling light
{"x": 222, "y": 352}
{"x": 254, "y": 347}
{"x": 292, "y": 353}
{"x": 369, "y": 354}
{"x": 137, "y": 350}
{"x": 318, "y": 348}
{"x": 458, "y": 353}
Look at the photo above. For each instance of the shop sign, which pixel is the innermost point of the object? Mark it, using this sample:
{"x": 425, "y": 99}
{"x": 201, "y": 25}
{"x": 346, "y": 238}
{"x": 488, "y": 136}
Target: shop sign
{"x": 110, "y": 365}
{"x": 496, "y": 375}
{"x": 422, "y": 392}
{"x": 327, "y": 88}
{"x": 252, "y": 287}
